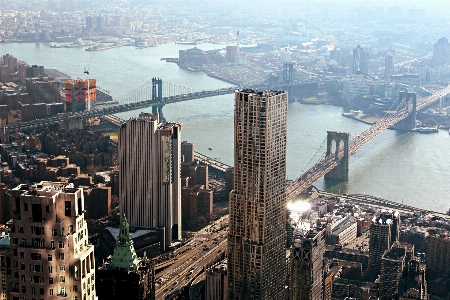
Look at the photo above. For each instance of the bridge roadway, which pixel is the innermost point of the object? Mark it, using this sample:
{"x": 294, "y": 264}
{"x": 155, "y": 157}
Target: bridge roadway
{"x": 206, "y": 248}
{"x": 133, "y": 102}
{"x": 211, "y": 162}
{"x": 325, "y": 165}
{"x": 114, "y": 109}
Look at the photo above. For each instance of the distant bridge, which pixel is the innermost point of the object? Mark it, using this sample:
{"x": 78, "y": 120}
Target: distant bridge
{"x": 334, "y": 163}
{"x": 155, "y": 93}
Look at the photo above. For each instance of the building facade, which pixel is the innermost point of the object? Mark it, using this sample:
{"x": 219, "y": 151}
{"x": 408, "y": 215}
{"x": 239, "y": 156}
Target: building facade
{"x": 384, "y": 231}
{"x": 126, "y": 276}
{"x": 307, "y": 265}
{"x": 256, "y": 238}
{"x": 216, "y": 286}
{"x": 441, "y": 53}
{"x": 50, "y": 254}
{"x": 149, "y": 178}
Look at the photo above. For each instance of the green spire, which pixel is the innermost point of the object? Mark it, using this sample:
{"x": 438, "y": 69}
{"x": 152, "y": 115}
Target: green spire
{"x": 124, "y": 257}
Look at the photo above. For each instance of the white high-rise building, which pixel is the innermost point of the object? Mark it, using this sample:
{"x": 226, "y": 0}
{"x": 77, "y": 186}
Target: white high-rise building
{"x": 149, "y": 176}
{"x": 49, "y": 251}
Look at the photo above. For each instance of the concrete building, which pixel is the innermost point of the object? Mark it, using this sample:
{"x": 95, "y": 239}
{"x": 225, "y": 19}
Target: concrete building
{"x": 307, "y": 265}
{"x": 384, "y": 231}
{"x": 360, "y": 61}
{"x": 356, "y": 86}
{"x": 441, "y": 53}
{"x": 412, "y": 80}
{"x": 388, "y": 66}
{"x": 149, "y": 180}
{"x": 216, "y": 286}
{"x": 344, "y": 234}
{"x": 127, "y": 276}
{"x": 196, "y": 202}
{"x": 392, "y": 265}
{"x": 256, "y": 238}
{"x": 438, "y": 252}
{"x": 413, "y": 284}
{"x": 187, "y": 152}
{"x": 50, "y": 254}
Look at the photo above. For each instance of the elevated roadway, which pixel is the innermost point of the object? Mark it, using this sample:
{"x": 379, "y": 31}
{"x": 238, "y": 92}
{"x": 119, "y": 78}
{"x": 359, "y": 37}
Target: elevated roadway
{"x": 206, "y": 248}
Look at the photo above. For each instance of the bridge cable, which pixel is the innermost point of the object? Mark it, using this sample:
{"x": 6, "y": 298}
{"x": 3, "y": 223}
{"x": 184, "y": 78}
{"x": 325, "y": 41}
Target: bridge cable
{"x": 320, "y": 147}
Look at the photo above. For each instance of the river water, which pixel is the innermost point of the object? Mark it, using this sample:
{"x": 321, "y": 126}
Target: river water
{"x": 410, "y": 168}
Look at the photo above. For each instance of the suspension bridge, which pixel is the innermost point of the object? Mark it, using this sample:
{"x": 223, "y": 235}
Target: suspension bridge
{"x": 154, "y": 93}
{"x": 334, "y": 163}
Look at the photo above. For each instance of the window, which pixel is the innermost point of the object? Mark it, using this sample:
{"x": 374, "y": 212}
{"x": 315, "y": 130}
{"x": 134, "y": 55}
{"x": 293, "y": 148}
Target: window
{"x": 55, "y": 232}
{"x": 52, "y": 244}
{"x": 33, "y": 290}
{"x": 75, "y": 288}
{"x": 50, "y": 280}
{"x": 62, "y": 278}
{"x": 41, "y": 290}
{"x": 16, "y": 263}
{"x": 61, "y": 244}
{"x": 50, "y": 269}
{"x": 20, "y": 229}
{"x": 22, "y": 255}
{"x": 15, "y": 241}
{"x": 49, "y": 257}
{"x": 24, "y": 242}
{"x": 22, "y": 277}
{"x": 24, "y": 289}
{"x": 35, "y": 256}
{"x": 62, "y": 291}
{"x": 68, "y": 209}
{"x": 51, "y": 292}
{"x": 22, "y": 267}
{"x": 70, "y": 229}
{"x": 62, "y": 267}
{"x": 61, "y": 256}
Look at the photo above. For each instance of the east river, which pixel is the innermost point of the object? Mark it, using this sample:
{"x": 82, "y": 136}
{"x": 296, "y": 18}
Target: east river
{"x": 409, "y": 168}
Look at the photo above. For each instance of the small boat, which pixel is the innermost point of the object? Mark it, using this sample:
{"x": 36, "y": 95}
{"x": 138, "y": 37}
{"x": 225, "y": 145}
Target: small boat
{"x": 209, "y": 148}
{"x": 427, "y": 129}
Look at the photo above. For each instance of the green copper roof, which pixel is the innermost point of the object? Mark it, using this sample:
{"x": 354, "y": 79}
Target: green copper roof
{"x": 124, "y": 257}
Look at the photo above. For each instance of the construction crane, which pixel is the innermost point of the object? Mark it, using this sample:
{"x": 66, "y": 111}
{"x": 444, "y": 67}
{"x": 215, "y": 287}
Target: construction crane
{"x": 86, "y": 71}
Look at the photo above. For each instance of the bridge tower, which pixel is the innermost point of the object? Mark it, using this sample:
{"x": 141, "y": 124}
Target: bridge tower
{"x": 288, "y": 72}
{"x": 337, "y": 139}
{"x": 156, "y": 89}
{"x": 157, "y": 96}
{"x": 407, "y": 100}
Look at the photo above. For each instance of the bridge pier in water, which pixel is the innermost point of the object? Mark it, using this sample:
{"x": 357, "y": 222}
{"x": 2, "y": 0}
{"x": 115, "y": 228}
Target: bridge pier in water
{"x": 334, "y": 141}
{"x": 158, "y": 109}
{"x": 404, "y": 100}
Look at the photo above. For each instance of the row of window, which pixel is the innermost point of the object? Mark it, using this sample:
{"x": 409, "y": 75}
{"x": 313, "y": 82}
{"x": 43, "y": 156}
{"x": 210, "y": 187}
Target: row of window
{"x": 37, "y": 243}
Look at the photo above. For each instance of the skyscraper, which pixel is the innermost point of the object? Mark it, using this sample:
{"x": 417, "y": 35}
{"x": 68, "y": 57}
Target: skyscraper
{"x": 149, "y": 178}
{"x": 49, "y": 244}
{"x": 307, "y": 265}
{"x": 384, "y": 231}
{"x": 360, "y": 61}
{"x": 441, "y": 53}
{"x": 256, "y": 253}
